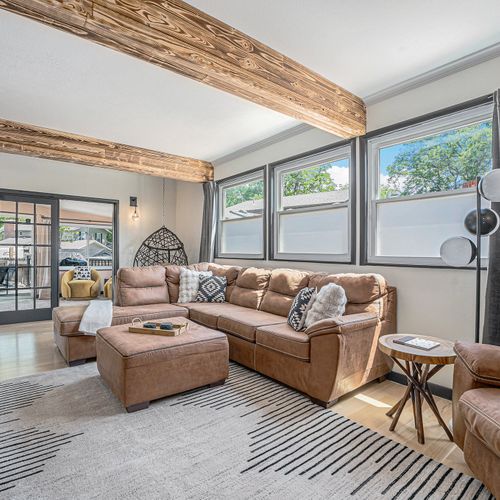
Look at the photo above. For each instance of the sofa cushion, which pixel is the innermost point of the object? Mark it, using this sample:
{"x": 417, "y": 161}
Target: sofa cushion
{"x": 359, "y": 288}
{"x": 67, "y": 319}
{"x": 81, "y": 288}
{"x": 250, "y": 287}
{"x": 480, "y": 409}
{"x": 229, "y": 272}
{"x": 244, "y": 322}
{"x": 284, "y": 285}
{"x": 141, "y": 285}
{"x": 283, "y": 338}
{"x": 173, "y": 274}
{"x": 482, "y": 361}
{"x": 207, "y": 313}
{"x": 365, "y": 292}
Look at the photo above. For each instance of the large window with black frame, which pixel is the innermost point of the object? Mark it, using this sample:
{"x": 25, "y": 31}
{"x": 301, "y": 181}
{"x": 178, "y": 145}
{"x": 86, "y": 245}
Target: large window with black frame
{"x": 313, "y": 206}
{"x": 241, "y": 209}
{"x": 421, "y": 183}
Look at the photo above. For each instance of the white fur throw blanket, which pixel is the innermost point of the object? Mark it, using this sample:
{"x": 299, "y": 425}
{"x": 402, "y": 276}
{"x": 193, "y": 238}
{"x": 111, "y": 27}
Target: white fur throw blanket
{"x": 99, "y": 314}
{"x": 329, "y": 303}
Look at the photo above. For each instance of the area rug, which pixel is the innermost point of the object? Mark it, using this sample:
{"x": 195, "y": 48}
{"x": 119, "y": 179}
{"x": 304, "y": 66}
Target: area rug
{"x": 64, "y": 435}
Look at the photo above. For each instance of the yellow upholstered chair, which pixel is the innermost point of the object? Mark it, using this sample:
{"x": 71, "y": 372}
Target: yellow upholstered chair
{"x": 80, "y": 289}
{"x": 108, "y": 289}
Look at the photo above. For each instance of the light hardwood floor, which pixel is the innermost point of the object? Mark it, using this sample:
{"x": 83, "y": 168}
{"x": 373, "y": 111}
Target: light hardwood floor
{"x": 28, "y": 348}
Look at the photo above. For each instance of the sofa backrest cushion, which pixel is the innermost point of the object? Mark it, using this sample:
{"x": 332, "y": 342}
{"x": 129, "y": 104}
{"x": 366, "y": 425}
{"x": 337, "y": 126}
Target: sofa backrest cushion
{"x": 250, "y": 287}
{"x": 138, "y": 286}
{"x": 173, "y": 275}
{"x": 229, "y": 272}
{"x": 284, "y": 285}
{"x": 365, "y": 292}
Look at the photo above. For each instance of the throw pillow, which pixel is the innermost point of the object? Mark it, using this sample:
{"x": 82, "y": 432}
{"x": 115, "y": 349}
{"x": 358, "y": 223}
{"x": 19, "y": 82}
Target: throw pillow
{"x": 300, "y": 306}
{"x": 330, "y": 303}
{"x": 212, "y": 289}
{"x": 189, "y": 283}
{"x": 82, "y": 273}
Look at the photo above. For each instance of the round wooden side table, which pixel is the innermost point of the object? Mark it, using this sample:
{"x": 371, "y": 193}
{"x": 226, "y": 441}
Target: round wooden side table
{"x": 416, "y": 365}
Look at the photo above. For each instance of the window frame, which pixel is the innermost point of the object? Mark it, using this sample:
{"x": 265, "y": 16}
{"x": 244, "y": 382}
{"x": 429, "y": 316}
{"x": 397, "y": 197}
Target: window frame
{"x": 331, "y": 152}
{"x": 232, "y": 181}
{"x": 456, "y": 116}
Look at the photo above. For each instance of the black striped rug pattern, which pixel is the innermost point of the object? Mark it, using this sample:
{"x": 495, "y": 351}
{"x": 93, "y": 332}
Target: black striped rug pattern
{"x": 25, "y": 452}
{"x": 17, "y": 395}
{"x": 296, "y": 437}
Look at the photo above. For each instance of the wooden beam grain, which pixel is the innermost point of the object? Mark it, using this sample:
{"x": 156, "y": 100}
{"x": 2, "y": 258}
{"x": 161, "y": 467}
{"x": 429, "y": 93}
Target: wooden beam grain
{"x": 29, "y": 140}
{"x": 176, "y": 36}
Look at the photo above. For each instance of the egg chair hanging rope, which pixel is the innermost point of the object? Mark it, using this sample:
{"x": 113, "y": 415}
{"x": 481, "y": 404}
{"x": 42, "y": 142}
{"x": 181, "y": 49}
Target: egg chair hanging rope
{"x": 161, "y": 247}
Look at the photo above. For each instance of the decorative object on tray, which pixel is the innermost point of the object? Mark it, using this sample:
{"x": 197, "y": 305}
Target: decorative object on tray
{"x": 164, "y": 328}
{"x": 211, "y": 289}
{"x": 189, "y": 284}
{"x": 300, "y": 307}
{"x": 417, "y": 342}
{"x": 82, "y": 273}
{"x": 416, "y": 364}
{"x": 330, "y": 302}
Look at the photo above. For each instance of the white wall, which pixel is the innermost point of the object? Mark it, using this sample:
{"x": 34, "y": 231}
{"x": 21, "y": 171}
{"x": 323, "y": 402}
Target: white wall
{"x": 436, "y": 302}
{"x": 48, "y": 176}
{"x": 189, "y": 212}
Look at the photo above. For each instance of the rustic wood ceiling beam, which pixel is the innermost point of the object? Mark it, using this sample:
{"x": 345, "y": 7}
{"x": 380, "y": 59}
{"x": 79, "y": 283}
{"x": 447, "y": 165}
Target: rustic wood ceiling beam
{"x": 176, "y": 36}
{"x": 29, "y": 140}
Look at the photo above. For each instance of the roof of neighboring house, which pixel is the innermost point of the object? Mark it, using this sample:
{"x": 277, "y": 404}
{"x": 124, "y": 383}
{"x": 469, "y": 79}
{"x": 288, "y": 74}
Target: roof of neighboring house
{"x": 298, "y": 200}
{"x": 80, "y": 244}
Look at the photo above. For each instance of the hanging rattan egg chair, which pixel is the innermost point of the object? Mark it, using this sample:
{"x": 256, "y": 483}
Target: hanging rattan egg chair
{"x": 161, "y": 247}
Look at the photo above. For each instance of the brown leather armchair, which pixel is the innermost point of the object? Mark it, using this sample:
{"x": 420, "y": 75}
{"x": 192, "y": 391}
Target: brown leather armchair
{"x": 476, "y": 410}
{"x": 80, "y": 289}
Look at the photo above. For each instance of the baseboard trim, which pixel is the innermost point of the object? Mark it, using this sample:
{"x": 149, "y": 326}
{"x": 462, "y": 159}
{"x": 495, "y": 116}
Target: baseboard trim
{"x": 437, "y": 390}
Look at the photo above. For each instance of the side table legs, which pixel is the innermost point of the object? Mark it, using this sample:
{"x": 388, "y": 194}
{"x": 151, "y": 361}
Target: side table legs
{"x": 417, "y": 390}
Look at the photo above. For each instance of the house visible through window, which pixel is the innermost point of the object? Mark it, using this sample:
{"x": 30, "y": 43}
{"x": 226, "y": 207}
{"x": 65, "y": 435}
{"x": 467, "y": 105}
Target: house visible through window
{"x": 421, "y": 184}
{"x": 312, "y": 207}
{"x": 241, "y": 216}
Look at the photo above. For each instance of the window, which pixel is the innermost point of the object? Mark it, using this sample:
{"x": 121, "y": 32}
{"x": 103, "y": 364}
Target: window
{"x": 421, "y": 183}
{"x": 312, "y": 200}
{"x": 241, "y": 216}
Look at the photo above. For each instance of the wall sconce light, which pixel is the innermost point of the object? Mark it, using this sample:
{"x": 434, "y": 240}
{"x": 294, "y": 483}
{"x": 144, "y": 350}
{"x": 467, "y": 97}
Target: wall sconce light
{"x": 133, "y": 203}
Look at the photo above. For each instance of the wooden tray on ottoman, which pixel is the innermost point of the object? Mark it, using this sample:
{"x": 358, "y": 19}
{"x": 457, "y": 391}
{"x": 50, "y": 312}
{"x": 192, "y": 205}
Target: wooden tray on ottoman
{"x": 177, "y": 329}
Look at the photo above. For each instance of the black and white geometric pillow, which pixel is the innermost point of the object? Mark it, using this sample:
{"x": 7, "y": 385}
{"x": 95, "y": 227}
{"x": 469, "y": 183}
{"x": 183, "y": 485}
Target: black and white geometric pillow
{"x": 212, "y": 289}
{"x": 301, "y": 304}
{"x": 82, "y": 273}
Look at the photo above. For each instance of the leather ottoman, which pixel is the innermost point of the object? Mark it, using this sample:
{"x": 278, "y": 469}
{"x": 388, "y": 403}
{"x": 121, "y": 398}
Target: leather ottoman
{"x": 139, "y": 368}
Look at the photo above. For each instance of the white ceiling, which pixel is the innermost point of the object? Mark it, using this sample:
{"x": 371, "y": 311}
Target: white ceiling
{"x": 365, "y": 45}
{"x": 54, "y": 79}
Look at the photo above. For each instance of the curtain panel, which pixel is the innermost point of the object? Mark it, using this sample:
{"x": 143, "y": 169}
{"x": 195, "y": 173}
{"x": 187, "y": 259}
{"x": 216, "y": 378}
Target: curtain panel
{"x": 209, "y": 221}
{"x": 491, "y": 330}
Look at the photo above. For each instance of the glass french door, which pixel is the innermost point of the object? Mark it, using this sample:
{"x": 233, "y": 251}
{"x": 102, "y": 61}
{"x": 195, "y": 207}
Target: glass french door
{"x": 28, "y": 257}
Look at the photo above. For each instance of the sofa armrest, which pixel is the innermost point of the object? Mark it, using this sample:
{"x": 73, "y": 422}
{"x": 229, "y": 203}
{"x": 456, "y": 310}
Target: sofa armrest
{"x": 481, "y": 361}
{"x": 342, "y": 324}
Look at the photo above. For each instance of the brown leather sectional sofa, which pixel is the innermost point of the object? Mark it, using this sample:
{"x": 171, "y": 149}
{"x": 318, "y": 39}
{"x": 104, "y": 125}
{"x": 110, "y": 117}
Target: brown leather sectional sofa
{"x": 476, "y": 410}
{"x": 329, "y": 359}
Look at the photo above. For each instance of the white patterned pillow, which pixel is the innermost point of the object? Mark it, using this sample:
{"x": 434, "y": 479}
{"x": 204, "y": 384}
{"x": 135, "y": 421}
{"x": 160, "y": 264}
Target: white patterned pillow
{"x": 300, "y": 307}
{"x": 82, "y": 273}
{"x": 330, "y": 303}
{"x": 189, "y": 284}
